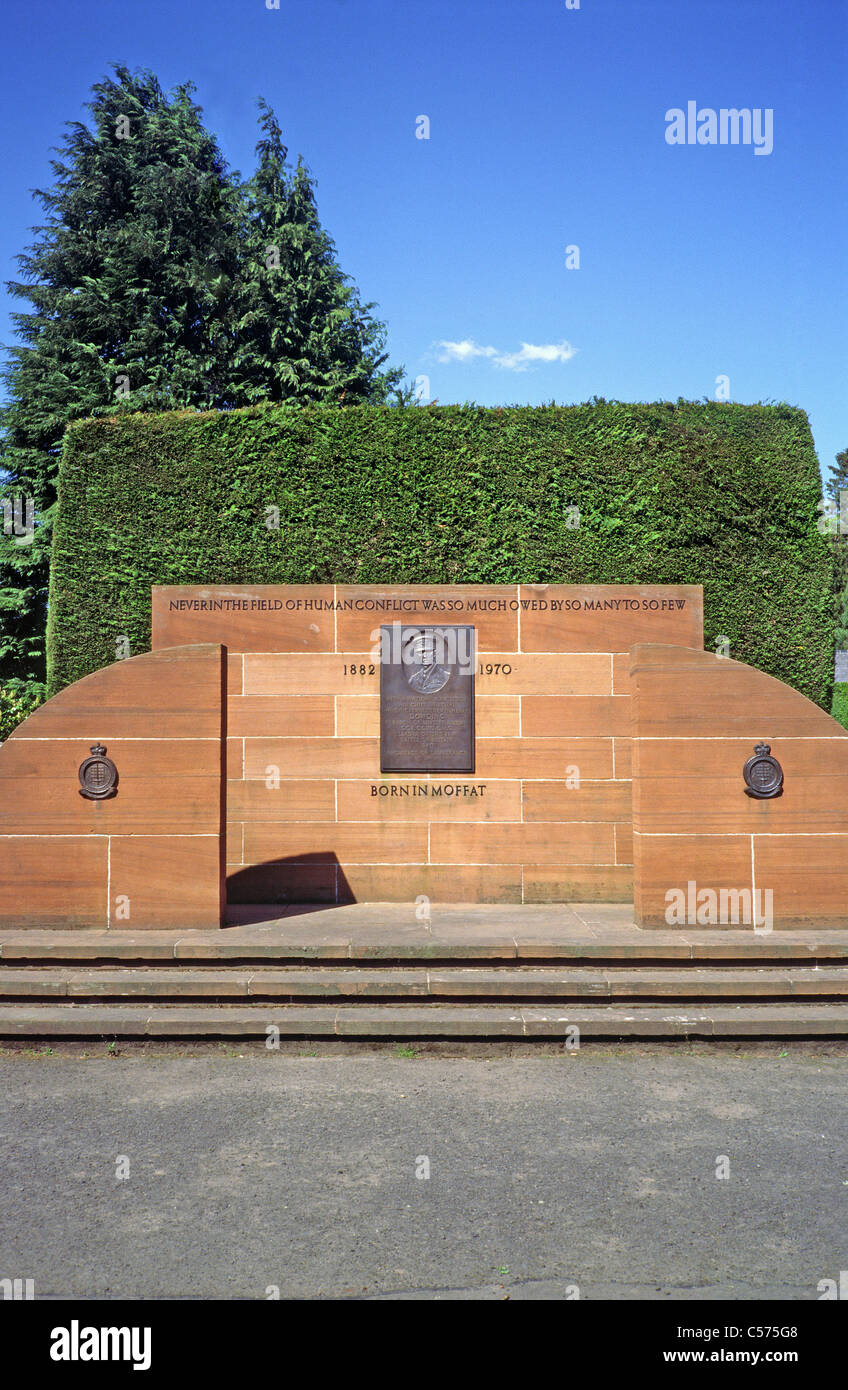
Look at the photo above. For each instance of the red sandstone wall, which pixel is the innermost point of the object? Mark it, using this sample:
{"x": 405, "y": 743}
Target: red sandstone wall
{"x": 697, "y": 718}
{"x": 553, "y": 695}
{"x": 151, "y": 855}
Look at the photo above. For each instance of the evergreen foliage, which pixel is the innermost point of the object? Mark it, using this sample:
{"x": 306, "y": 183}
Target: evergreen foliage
{"x": 709, "y": 493}
{"x": 150, "y": 286}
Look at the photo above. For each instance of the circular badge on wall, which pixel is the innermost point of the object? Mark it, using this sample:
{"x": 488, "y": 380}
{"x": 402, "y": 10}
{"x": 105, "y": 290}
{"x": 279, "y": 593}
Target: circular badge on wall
{"x": 98, "y": 775}
{"x": 763, "y": 774}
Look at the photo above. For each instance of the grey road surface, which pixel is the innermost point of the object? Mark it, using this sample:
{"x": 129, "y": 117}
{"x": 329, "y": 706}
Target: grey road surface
{"x": 591, "y": 1174}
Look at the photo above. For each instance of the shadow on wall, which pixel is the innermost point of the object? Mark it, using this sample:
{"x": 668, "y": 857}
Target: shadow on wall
{"x": 286, "y": 887}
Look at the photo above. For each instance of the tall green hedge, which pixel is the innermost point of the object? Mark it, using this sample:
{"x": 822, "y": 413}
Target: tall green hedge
{"x": 716, "y": 494}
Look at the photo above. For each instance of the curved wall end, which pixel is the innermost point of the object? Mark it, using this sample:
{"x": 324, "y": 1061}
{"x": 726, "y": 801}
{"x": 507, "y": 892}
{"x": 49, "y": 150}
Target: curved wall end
{"x": 151, "y": 854}
{"x": 701, "y": 844}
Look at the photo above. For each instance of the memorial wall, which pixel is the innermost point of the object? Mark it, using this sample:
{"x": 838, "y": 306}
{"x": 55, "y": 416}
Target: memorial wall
{"x": 467, "y": 744}
{"x": 495, "y": 768}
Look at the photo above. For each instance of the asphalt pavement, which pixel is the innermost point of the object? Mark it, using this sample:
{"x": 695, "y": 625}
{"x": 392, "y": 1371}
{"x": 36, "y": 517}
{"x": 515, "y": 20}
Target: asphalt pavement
{"x": 596, "y": 1174}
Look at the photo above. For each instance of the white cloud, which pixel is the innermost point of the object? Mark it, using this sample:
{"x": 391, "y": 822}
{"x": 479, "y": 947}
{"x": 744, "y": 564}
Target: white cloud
{"x": 535, "y": 352}
{"x": 528, "y": 354}
{"x": 464, "y": 351}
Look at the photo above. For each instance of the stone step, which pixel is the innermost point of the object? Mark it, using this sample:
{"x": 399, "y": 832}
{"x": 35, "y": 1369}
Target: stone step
{"x": 422, "y": 1021}
{"x": 491, "y": 940}
{"x": 294, "y": 983}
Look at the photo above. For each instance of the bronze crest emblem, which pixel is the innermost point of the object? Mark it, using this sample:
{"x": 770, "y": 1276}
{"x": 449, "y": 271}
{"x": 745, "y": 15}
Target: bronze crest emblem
{"x": 98, "y": 775}
{"x": 763, "y": 774}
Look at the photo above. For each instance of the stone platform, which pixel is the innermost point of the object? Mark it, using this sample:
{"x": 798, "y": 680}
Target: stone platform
{"x": 372, "y": 970}
{"x": 390, "y": 931}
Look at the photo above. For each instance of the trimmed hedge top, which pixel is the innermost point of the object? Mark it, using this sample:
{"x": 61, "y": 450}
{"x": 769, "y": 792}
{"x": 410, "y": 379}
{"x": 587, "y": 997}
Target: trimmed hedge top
{"x": 717, "y": 494}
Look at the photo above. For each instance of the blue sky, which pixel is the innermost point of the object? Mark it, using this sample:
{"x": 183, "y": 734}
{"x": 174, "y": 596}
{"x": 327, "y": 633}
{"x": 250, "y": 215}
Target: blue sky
{"x": 547, "y": 130}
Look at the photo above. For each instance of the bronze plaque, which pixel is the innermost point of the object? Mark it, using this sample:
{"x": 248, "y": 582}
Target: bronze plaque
{"x": 426, "y": 698}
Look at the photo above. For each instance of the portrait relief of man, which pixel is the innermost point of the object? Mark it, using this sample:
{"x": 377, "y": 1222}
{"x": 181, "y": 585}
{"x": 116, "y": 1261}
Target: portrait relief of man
{"x": 426, "y": 674}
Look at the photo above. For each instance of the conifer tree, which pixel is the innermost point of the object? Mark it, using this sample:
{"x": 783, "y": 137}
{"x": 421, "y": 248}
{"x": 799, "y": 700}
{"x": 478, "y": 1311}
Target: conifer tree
{"x": 302, "y": 332}
{"x": 128, "y": 285}
{"x": 159, "y": 280}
